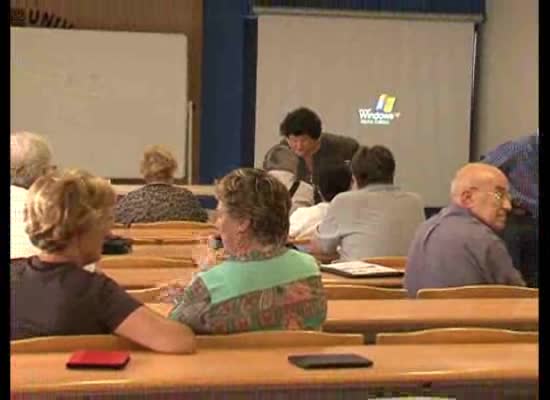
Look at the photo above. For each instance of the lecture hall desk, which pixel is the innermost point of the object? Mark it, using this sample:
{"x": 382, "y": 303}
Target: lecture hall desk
{"x": 150, "y": 277}
{"x": 370, "y": 317}
{"x": 474, "y": 371}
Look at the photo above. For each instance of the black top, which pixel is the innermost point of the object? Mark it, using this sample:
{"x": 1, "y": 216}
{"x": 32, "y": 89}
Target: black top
{"x": 333, "y": 149}
{"x": 159, "y": 202}
{"x": 62, "y": 299}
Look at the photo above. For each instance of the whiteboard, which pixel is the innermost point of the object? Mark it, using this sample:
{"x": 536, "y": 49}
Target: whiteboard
{"x": 100, "y": 97}
{"x": 404, "y": 84}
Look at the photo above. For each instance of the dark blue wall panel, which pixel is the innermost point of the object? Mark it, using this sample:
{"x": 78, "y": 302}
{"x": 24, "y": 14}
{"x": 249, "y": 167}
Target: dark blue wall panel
{"x": 223, "y": 88}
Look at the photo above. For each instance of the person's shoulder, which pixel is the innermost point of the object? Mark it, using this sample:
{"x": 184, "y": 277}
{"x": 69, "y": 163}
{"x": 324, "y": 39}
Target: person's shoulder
{"x": 413, "y": 197}
{"x": 350, "y": 196}
{"x": 300, "y": 258}
{"x": 181, "y": 191}
{"x": 137, "y": 193}
{"x": 332, "y": 138}
{"x": 18, "y": 190}
{"x": 18, "y": 267}
{"x": 469, "y": 229}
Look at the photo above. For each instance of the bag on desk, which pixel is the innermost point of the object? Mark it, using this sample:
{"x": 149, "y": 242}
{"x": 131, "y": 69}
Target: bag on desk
{"x": 116, "y": 245}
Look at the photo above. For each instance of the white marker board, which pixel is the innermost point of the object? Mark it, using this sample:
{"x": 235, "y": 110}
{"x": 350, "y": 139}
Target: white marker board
{"x": 100, "y": 97}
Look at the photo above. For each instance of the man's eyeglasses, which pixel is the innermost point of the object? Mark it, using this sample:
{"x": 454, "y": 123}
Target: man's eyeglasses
{"x": 500, "y": 197}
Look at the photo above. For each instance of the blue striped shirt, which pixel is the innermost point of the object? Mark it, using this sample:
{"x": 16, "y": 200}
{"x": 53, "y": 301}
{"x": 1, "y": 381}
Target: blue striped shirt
{"x": 519, "y": 160}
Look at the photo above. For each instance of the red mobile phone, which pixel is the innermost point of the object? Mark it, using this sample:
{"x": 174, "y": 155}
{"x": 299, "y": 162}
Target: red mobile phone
{"x": 98, "y": 359}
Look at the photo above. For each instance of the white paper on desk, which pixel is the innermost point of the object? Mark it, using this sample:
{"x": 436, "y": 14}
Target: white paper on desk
{"x": 359, "y": 267}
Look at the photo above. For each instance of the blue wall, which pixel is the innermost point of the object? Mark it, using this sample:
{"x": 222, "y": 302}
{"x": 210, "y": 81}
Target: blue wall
{"x": 223, "y": 89}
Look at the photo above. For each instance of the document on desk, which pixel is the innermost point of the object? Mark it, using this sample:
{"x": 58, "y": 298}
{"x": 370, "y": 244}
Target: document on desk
{"x": 360, "y": 269}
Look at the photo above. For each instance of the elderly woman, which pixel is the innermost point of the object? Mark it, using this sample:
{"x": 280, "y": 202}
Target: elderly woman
{"x": 68, "y": 214}
{"x": 159, "y": 199}
{"x": 30, "y": 158}
{"x": 262, "y": 285}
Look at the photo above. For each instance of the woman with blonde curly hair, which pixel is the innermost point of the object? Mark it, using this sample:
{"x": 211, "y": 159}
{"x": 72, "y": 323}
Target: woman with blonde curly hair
{"x": 159, "y": 199}
{"x": 262, "y": 285}
{"x": 68, "y": 215}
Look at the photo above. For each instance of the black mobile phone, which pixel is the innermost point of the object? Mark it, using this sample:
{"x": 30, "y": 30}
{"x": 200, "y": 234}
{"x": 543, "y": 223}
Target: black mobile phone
{"x": 314, "y": 361}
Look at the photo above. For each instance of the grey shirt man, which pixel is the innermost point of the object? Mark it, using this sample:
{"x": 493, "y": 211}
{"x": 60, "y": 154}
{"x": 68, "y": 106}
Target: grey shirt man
{"x": 377, "y": 220}
{"x": 454, "y": 248}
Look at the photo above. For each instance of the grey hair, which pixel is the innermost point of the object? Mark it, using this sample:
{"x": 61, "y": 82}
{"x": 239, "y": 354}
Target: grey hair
{"x": 280, "y": 157}
{"x": 30, "y": 158}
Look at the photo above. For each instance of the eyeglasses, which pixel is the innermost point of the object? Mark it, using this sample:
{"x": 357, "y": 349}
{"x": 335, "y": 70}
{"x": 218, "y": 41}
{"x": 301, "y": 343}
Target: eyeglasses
{"x": 500, "y": 197}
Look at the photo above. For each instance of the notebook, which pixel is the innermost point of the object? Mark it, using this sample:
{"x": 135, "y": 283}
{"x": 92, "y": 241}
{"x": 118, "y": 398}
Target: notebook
{"x": 360, "y": 269}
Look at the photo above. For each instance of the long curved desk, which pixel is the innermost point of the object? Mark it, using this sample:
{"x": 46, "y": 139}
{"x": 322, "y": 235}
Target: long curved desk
{"x": 463, "y": 371}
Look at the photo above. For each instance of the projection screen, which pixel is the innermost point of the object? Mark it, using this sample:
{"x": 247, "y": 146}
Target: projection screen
{"x": 405, "y": 84}
{"x": 101, "y": 97}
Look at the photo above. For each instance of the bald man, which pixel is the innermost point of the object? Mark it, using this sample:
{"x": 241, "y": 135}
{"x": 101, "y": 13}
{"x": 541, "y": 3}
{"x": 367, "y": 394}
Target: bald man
{"x": 459, "y": 246}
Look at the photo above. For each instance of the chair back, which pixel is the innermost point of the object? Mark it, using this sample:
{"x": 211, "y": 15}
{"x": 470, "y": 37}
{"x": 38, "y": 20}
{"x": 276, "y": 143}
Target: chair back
{"x": 398, "y": 262}
{"x": 478, "y": 291}
{"x": 270, "y": 339}
{"x": 247, "y": 340}
{"x": 181, "y": 225}
{"x": 458, "y": 335}
{"x": 361, "y": 292}
{"x": 71, "y": 343}
{"x": 147, "y": 295}
{"x": 129, "y": 261}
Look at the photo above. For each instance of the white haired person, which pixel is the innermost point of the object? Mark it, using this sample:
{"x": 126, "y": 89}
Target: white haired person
{"x": 282, "y": 163}
{"x": 30, "y": 158}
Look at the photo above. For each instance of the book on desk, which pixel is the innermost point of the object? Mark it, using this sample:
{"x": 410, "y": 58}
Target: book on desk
{"x": 360, "y": 269}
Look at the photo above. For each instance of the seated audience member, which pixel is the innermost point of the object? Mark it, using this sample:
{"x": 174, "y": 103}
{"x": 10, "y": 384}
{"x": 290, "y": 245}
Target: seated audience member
{"x": 30, "y": 158}
{"x": 303, "y": 132}
{"x": 459, "y": 245}
{"x": 262, "y": 285}
{"x": 377, "y": 218}
{"x": 333, "y": 179}
{"x": 281, "y": 162}
{"x": 68, "y": 214}
{"x": 159, "y": 199}
{"x": 519, "y": 161}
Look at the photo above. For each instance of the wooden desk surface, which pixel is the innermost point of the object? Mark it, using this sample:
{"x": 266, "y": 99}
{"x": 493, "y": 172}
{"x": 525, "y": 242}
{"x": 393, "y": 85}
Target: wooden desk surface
{"x": 389, "y": 282}
{"x": 146, "y": 278}
{"x": 261, "y": 370}
{"x": 364, "y": 316}
{"x": 177, "y": 251}
{"x": 150, "y": 277}
{"x": 374, "y": 316}
{"x": 198, "y": 190}
{"x": 164, "y": 235}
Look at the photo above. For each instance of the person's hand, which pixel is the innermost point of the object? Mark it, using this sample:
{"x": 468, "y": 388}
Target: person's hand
{"x": 204, "y": 255}
{"x": 171, "y": 291}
